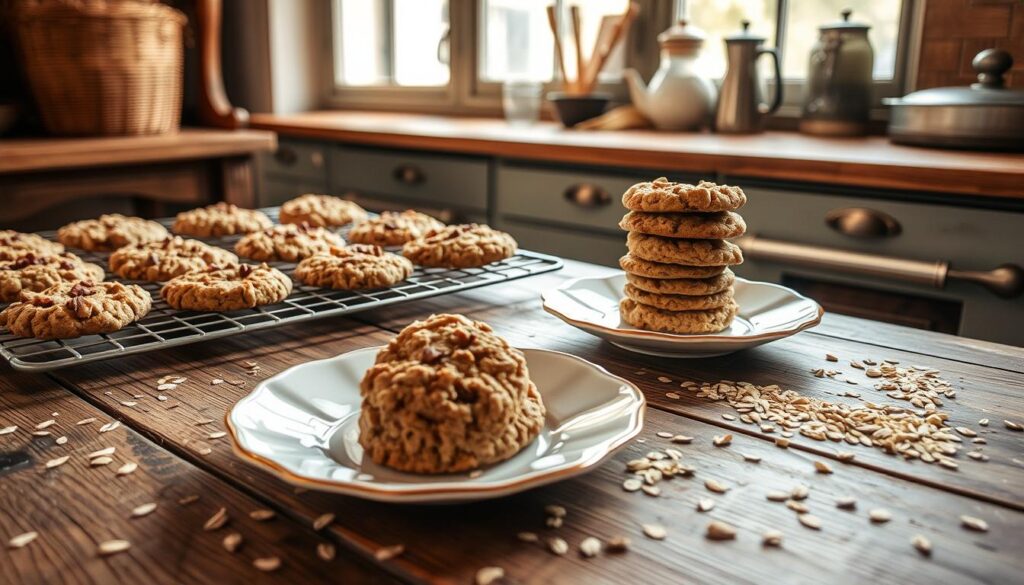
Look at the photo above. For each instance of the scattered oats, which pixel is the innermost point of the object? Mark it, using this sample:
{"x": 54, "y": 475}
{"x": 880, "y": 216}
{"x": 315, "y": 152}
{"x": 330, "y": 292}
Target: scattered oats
{"x": 112, "y": 547}
{"x": 1013, "y": 426}
{"x": 8, "y": 430}
{"x": 752, "y": 458}
{"x": 101, "y": 453}
{"x": 632, "y": 484}
{"x": 966, "y": 432}
{"x": 617, "y": 544}
{"x": 922, "y": 544}
{"x": 205, "y": 451}
{"x": 777, "y": 496}
{"x": 110, "y": 426}
{"x": 262, "y": 515}
{"x": 722, "y": 440}
{"x": 127, "y": 468}
{"x": 810, "y": 521}
{"x": 143, "y": 510}
{"x": 528, "y": 537}
{"x": 61, "y": 440}
{"x": 716, "y": 486}
{"x": 558, "y": 546}
{"x": 57, "y": 462}
{"x": 782, "y": 442}
{"x": 845, "y": 456}
{"x": 188, "y": 500}
{"x": 672, "y": 395}
{"x": 880, "y": 515}
{"x": 22, "y": 540}
{"x": 728, "y": 416}
{"x": 852, "y": 382}
{"x": 45, "y": 424}
{"x": 166, "y": 387}
{"x": 949, "y": 463}
{"x": 682, "y": 439}
{"x": 590, "y": 547}
{"x": 41, "y": 433}
{"x": 983, "y": 422}
{"x": 217, "y": 521}
{"x": 475, "y": 473}
{"x": 128, "y": 403}
{"x": 99, "y": 461}
{"x": 767, "y": 428}
{"x": 664, "y": 379}
{"x": 800, "y": 492}
{"x": 822, "y": 467}
{"x": 389, "y": 552}
{"x": 665, "y": 434}
{"x": 203, "y": 421}
{"x": 489, "y": 575}
{"x": 873, "y": 373}
{"x": 232, "y": 542}
{"x": 216, "y": 435}
{"x": 236, "y": 382}
{"x": 651, "y": 490}
{"x": 856, "y": 365}
{"x": 705, "y": 504}
{"x": 979, "y": 441}
{"x": 771, "y": 538}
{"x": 326, "y": 551}
{"x": 216, "y": 381}
{"x": 846, "y": 502}
{"x": 553, "y": 521}
{"x": 831, "y": 357}
{"x": 655, "y": 531}
{"x": 972, "y": 523}
{"x": 323, "y": 520}
{"x": 267, "y": 564}
{"x": 720, "y": 531}
{"x": 797, "y": 507}
{"x": 977, "y": 455}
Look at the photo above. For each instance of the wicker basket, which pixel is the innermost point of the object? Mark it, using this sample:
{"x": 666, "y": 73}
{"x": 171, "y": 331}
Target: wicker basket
{"x": 103, "y": 68}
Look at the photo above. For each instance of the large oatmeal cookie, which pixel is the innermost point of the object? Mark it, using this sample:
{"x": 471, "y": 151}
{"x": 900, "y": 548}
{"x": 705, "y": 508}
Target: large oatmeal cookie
{"x": 460, "y": 246}
{"x": 229, "y": 288}
{"x": 16, "y": 244}
{"x": 33, "y": 273}
{"x": 705, "y": 226}
{"x": 321, "y": 211}
{"x": 447, "y": 395}
{"x": 684, "y": 286}
{"x": 110, "y": 232}
{"x": 358, "y": 266}
{"x": 662, "y": 195}
{"x": 679, "y": 251}
{"x": 73, "y": 309}
{"x": 166, "y": 259}
{"x": 679, "y": 302}
{"x": 683, "y": 322}
{"x": 220, "y": 219}
{"x": 646, "y": 268}
{"x": 288, "y": 243}
{"x": 394, "y": 229}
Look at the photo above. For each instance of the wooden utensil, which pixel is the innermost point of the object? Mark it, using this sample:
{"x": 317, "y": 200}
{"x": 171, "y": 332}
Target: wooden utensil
{"x": 574, "y": 12}
{"x": 603, "y": 50}
{"x": 553, "y": 23}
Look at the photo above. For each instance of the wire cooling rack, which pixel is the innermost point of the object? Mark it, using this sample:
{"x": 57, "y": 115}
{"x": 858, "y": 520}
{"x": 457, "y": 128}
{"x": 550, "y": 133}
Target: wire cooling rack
{"x": 166, "y": 327}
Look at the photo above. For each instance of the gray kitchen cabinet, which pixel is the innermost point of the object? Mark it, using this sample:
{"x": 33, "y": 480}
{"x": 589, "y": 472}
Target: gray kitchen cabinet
{"x": 295, "y": 167}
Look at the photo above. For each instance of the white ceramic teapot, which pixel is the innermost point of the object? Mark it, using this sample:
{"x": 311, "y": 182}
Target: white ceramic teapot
{"x": 678, "y": 97}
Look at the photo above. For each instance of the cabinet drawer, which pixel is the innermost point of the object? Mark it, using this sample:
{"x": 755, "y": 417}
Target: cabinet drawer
{"x": 435, "y": 180}
{"x": 297, "y": 158}
{"x": 599, "y": 249}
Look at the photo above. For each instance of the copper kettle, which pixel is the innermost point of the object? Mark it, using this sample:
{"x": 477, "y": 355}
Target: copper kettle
{"x": 740, "y": 108}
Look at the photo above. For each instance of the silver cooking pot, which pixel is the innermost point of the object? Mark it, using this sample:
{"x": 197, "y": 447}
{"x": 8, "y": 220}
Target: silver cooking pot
{"x": 987, "y": 115}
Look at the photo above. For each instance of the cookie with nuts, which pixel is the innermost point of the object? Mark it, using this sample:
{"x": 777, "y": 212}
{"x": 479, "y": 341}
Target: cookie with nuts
{"x": 681, "y": 251}
{"x": 662, "y": 195}
{"x": 684, "y": 286}
{"x": 166, "y": 259}
{"x": 681, "y": 322}
{"x": 648, "y": 269}
{"x": 359, "y": 266}
{"x": 672, "y": 302}
{"x": 220, "y": 219}
{"x": 110, "y": 232}
{"x": 288, "y": 243}
{"x": 228, "y": 288}
{"x": 705, "y": 226}
{"x": 33, "y": 273}
{"x": 16, "y": 244}
{"x": 392, "y": 228}
{"x": 72, "y": 309}
{"x": 460, "y": 246}
{"x": 321, "y": 211}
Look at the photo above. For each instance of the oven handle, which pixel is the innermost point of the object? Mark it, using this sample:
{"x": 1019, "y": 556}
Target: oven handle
{"x": 1006, "y": 281}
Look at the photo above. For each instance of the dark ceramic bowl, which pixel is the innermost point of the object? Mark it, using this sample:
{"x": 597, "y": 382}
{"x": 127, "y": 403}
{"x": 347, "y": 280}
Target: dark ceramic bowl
{"x": 573, "y": 109}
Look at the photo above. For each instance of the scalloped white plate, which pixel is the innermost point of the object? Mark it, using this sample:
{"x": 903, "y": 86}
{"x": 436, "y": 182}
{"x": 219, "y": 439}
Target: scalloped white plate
{"x": 767, "y": 312}
{"x": 302, "y": 426}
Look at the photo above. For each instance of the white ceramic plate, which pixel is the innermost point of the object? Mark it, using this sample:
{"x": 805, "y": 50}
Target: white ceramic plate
{"x": 767, "y": 312}
{"x": 302, "y": 425}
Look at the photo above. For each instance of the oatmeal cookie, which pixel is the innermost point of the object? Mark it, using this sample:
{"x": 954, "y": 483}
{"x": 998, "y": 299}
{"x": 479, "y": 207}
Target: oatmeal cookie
{"x": 163, "y": 260}
{"x": 641, "y": 267}
{"x": 72, "y": 309}
{"x": 662, "y": 195}
{"x": 220, "y": 219}
{"x": 230, "y": 288}
{"x": 394, "y": 229}
{"x": 683, "y": 322}
{"x": 689, "y": 252}
{"x": 16, "y": 244}
{"x": 358, "y": 266}
{"x": 110, "y": 232}
{"x": 33, "y": 273}
{"x": 460, "y": 246}
{"x": 321, "y": 211}
{"x": 684, "y": 286}
{"x": 288, "y": 242}
{"x": 703, "y": 226}
{"x": 679, "y": 302}
{"x": 448, "y": 395}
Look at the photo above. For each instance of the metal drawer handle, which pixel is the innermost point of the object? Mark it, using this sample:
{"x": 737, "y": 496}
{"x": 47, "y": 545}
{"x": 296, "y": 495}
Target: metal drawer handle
{"x": 409, "y": 174}
{"x": 286, "y": 156}
{"x": 587, "y": 195}
{"x": 1006, "y": 281}
{"x": 861, "y": 222}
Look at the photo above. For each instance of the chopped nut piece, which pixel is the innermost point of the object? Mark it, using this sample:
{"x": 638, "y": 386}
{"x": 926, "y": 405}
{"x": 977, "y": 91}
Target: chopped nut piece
{"x": 716, "y": 486}
{"x": 386, "y": 553}
{"x": 705, "y": 504}
{"x": 618, "y": 544}
{"x": 590, "y": 547}
{"x": 267, "y": 564}
{"x": 217, "y": 521}
{"x": 880, "y": 515}
{"x": 489, "y": 575}
{"x": 682, "y": 439}
{"x": 528, "y": 536}
{"x": 326, "y": 551}
{"x": 558, "y": 546}
{"x": 262, "y": 515}
{"x": 831, "y": 357}
{"x": 722, "y": 441}
{"x": 232, "y": 542}
{"x": 143, "y": 510}
{"x": 655, "y": 531}
{"x": 846, "y": 503}
{"x": 922, "y": 544}
{"x": 810, "y": 521}
{"x": 777, "y": 496}
{"x": 322, "y": 521}
{"x": 111, "y": 547}
{"x": 771, "y": 538}
{"x": 555, "y": 510}
{"x": 972, "y": 523}
{"x": 822, "y": 467}
{"x": 717, "y": 530}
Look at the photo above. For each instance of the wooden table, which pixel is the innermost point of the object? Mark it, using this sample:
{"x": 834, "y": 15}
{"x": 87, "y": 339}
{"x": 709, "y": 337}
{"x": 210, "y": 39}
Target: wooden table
{"x": 74, "y": 507}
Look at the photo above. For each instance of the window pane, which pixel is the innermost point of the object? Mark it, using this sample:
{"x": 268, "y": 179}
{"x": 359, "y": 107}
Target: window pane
{"x": 805, "y": 16}
{"x": 592, "y": 14}
{"x": 515, "y": 40}
{"x": 389, "y": 42}
{"x": 721, "y": 18}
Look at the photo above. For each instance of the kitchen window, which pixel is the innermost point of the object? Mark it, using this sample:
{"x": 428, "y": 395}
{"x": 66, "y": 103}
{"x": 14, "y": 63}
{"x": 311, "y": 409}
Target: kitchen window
{"x": 453, "y": 55}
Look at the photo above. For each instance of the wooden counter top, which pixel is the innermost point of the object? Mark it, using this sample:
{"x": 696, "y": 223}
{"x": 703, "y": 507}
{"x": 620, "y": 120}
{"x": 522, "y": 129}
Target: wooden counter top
{"x": 862, "y": 162}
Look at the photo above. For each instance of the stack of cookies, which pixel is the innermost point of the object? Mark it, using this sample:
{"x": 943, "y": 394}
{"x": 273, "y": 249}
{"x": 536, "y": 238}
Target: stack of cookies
{"x": 677, "y": 269}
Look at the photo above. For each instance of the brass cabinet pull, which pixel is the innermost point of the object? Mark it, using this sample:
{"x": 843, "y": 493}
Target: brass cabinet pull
{"x": 861, "y": 222}
{"x": 587, "y": 195}
{"x": 409, "y": 174}
{"x": 1006, "y": 281}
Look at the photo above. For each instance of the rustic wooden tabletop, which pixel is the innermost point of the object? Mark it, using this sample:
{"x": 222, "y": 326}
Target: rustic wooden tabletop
{"x": 186, "y": 467}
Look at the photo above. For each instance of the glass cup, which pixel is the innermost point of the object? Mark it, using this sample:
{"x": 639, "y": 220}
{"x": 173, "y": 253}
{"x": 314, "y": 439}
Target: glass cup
{"x": 521, "y": 100}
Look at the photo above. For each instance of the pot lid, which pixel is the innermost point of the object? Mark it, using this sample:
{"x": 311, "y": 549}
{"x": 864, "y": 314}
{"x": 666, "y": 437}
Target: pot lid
{"x": 845, "y": 24}
{"x": 744, "y": 36}
{"x": 682, "y": 33}
{"x": 990, "y": 89}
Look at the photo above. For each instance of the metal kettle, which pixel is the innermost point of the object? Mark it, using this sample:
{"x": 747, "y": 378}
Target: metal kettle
{"x": 839, "y": 80}
{"x": 740, "y": 107}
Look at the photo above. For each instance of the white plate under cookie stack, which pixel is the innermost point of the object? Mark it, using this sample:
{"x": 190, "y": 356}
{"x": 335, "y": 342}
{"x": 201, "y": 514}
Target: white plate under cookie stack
{"x": 677, "y": 270}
